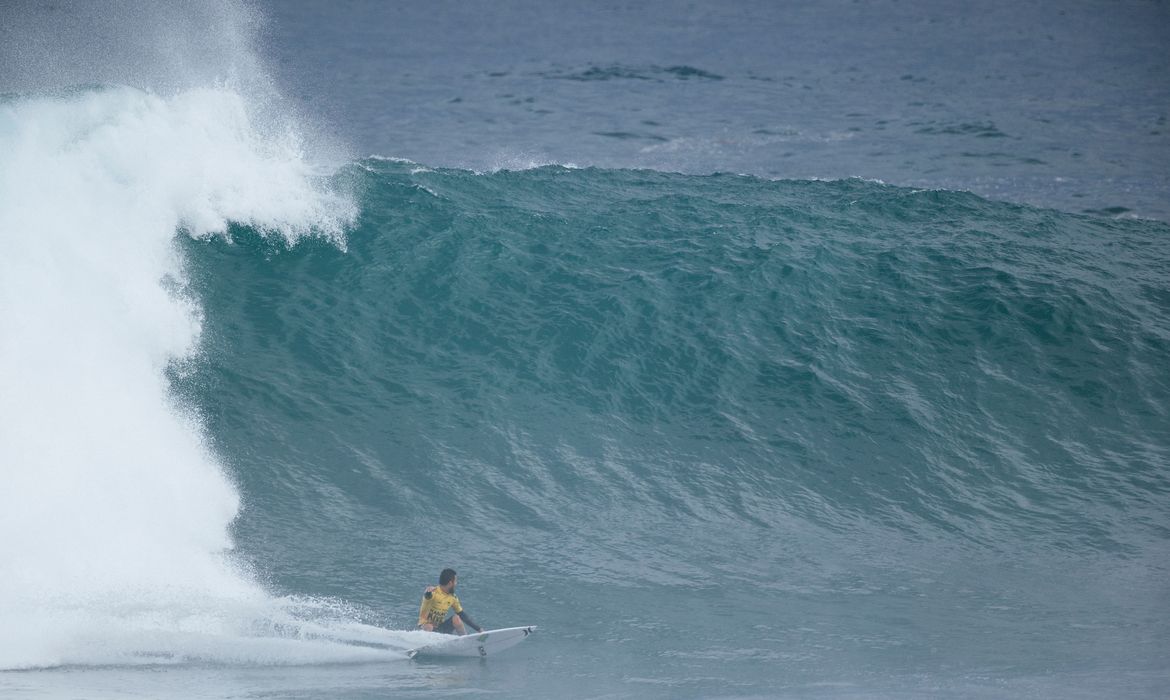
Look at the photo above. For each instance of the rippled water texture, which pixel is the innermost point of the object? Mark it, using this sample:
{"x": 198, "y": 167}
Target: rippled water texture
{"x": 884, "y": 415}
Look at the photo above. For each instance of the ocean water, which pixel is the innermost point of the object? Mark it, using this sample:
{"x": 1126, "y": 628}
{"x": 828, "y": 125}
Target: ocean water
{"x": 281, "y": 339}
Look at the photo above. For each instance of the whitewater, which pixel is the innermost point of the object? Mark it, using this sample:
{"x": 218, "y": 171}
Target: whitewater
{"x": 115, "y": 522}
{"x": 718, "y": 435}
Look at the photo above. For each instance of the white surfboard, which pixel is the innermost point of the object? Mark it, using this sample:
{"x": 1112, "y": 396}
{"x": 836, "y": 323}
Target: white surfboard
{"x": 486, "y": 643}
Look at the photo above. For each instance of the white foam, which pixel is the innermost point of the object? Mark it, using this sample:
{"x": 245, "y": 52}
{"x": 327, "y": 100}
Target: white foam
{"x": 114, "y": 514}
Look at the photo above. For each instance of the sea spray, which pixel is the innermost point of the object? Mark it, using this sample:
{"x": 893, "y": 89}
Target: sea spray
{"x": 114, "y": 512}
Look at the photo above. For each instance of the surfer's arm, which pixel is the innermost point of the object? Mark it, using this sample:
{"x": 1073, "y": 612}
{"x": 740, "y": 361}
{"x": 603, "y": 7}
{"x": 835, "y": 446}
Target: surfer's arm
{"x": 467, "y": 618}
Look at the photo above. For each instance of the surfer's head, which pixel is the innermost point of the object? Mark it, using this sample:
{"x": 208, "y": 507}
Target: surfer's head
{"x": 445, "y": 578}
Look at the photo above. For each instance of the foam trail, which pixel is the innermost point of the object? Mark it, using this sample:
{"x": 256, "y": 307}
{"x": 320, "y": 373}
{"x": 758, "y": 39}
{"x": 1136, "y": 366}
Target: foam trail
{"x": 114, "y": 514}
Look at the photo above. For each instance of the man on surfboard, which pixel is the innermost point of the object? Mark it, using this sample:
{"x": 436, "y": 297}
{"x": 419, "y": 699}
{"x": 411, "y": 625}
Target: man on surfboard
{"x": 437, "y": 601}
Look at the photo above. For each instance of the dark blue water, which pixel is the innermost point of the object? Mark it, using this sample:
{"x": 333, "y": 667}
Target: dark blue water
{"x": 1049, "y": 104}
{"x": 616, "y": 321}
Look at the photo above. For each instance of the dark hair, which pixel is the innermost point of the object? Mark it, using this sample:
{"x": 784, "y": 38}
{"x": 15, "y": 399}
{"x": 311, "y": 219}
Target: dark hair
{"x": 446, "y": 576}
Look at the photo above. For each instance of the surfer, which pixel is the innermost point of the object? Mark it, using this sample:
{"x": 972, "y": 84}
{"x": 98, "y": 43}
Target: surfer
{"x": 437, "y": 600}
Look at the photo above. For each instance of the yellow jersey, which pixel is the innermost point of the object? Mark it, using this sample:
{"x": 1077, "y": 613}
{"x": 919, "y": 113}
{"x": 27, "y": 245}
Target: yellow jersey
{"x": 435, "y": 604}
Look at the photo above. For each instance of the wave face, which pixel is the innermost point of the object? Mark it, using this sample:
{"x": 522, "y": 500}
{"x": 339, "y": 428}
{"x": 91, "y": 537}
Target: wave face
{"x": 822, "y": 350}
{"x": 918, "y": 426}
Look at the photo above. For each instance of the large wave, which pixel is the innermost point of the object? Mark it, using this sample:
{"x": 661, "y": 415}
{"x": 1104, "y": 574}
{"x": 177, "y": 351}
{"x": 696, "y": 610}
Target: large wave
{"x": 602, "y": 393}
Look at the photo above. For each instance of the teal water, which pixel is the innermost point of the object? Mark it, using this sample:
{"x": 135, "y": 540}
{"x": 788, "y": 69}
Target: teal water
{"x": 718, "y": 435}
